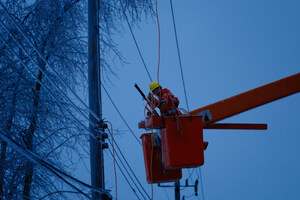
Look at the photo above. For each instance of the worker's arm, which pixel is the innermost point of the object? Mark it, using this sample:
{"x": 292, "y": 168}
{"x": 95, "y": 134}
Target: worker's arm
{"x": 152, "y": 99}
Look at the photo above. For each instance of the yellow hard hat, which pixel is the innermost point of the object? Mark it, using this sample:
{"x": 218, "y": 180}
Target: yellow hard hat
{"x": 154, "y": 85}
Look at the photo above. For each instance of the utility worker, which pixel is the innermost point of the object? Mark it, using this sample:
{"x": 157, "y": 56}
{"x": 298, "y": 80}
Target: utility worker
{"x": 165, "y": 101}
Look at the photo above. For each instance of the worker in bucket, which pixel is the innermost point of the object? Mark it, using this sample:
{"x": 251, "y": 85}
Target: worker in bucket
{"x": 164, "y": 100}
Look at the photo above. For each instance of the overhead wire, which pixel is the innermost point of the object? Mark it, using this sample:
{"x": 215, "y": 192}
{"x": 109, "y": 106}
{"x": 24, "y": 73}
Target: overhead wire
{"x": 135, "y": 41}
{"x": 182, "y": 77}
{"x": 179, "y": 57}
{"x": 114, "y": 157}
{"x": 46, "y": 62}
{"x": 130, "y": 176}
{"x": 36, "y": 159}
{"x": 202, "y": 191}
{"x": 43, "y": 84}
{"x": 47, "y": 90}
{"x": 113, "y": 103}
{"x": 120, "y": 168}
{"x": 130, "y": 168}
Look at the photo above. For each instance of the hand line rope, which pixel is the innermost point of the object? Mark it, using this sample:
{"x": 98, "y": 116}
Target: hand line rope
{"x": 158, "y": 28}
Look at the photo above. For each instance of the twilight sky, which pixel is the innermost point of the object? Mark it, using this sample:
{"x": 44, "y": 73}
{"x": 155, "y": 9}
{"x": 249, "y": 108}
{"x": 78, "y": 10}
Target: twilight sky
{"x": 227, "y": 47}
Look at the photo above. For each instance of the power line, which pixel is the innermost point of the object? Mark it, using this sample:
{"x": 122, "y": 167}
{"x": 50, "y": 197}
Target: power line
{"x": 121, "y": 115}
{"x": 126, "y": 177}
{"x": 52, "y": 82}
{"x": 36, "y": 159}
{"x": 46, "y": 62}
{"x": 120, "y": 168}
{"x": 179, "y": 57}
{"x": 129, "y": 168}
{"x": 182, "y": 77}
{"x": 51, "y": 93}
{"x": 202, "y": 191}
{"x": 135, "y": 42}
{"x": 47, "y": 90}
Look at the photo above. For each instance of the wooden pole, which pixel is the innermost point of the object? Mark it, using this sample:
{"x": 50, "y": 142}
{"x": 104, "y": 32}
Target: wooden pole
{"x": 96, "y": 151}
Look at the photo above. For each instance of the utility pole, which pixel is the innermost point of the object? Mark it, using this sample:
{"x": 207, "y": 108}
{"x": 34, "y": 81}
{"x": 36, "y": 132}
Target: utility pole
{"x": 95, "y": 102}
{"x": 177, "y": 190}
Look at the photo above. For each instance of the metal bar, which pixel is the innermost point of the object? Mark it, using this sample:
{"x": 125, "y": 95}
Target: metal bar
{"x": 251, "y": 99}
{"x": 236, "y": 126}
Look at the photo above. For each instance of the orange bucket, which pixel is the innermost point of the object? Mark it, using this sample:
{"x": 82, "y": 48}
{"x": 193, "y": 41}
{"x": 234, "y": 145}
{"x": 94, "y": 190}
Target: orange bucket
{"x": 182, "y": 142}
{"x": 155, "y": 172}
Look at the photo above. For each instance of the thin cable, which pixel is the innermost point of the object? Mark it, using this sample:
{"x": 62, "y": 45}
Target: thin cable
{"x": 121, "y": 115}
{"x": 133, "y": 181}
{"x": 158, "y": 27}
{"x": 166, "y": 193}
{"x": 46, "y": 62}
{"x": 201, "y": 183}
{"x": 179, "y": 57}
{"x": 114, "y": 158}
{"x": 125, "y": 176}
{"x": 135, "y": 42}
{"x": 129, "y": 167}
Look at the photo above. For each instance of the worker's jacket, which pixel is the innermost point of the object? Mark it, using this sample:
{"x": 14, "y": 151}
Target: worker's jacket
{"x": 168, "y": 103}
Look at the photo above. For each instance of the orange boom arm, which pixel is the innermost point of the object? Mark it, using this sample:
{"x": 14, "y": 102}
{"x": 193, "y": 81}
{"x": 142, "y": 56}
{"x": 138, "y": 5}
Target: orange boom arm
{"x": 251, "y": 99}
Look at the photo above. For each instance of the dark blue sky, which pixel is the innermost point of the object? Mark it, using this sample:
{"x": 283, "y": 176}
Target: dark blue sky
{"x": 227, "y": 47}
